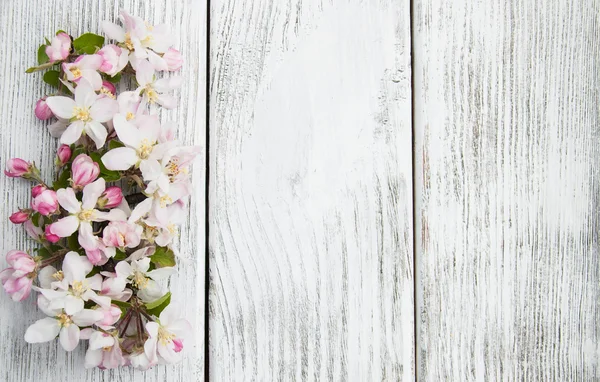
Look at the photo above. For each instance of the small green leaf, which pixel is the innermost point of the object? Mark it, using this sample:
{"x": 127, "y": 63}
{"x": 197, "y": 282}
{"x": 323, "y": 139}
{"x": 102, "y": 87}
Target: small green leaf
{"x": 88, "y": 43}
{"x": 114, "y": 144}
{"x": 48, "y": 42}
{"x": 163, "y": 257}
{"x": 44, "y": 253}
{"x": 73, "y": 242}
{"x": 60, "y": 31}
{"x": 115, "y": 79}
{"x": 157, "y": 306}
{"x": 120, "y": 255}
{"x": 35, "y": 219}
{"x": 63, "y": 179}
{"x": 51, "y": 78}
{"x": 41, "y": 55}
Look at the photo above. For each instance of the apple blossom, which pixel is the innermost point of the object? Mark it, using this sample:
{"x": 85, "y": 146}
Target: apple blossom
{"x": 174, "y": 59}
{"x": 46, "y": 202}
{"x": 84, "y": 171}
{"x": 85, "y": 67}
{"x": 18, "y": 278}
{"x": 144, "y": 280}
{"x": 114, "y": 59}
{"x": 154, "y": 91}
{"x": 17, "y": 167}
{"x": 87, "y": 113}
{"x": 63, "y": 155}
{"x": 110, "y": 198}
{"x": 122, "y": 234}
{"x": 42, "y": 111}
{"x": 166, "y": 336}
{"x": 59, "y": 47}
{"x": 104, "y": 351}
{"x": 112, "y": 313}
{"x": 52, "y": 238}
{"x": 20, "y": 216}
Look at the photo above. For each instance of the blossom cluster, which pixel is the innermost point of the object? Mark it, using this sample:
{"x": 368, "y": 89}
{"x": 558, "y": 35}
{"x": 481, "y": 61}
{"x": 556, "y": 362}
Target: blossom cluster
{"x": 106, "y": 225}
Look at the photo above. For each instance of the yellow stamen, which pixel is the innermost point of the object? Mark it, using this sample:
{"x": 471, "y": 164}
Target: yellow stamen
{"x": 82, "y": 114}
{"x": 165, "y": 336}
{"x": 140, "y": 281}
{"x": 79, "y": 288}
{"x": 129, "y": 116}
{"x": 145, "y": 148}
{"x": 76, "y": 72}
{"x": 165, "y": 201}
{"x": 128, "y": 42}
{"x": 151, "y": 94}
{"x": 107, "y": 93}
{"x": 64, "y": 320}
{"x": 58, "y": 276}
{"x": 86, "y": 215}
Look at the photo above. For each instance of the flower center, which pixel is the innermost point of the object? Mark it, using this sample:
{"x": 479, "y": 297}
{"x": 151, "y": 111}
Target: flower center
{"x": 145, "y": 148}
{"x": 82, "y": 114}
{"x": 64, "y": 320}
{"x": 59, "y": 275}
{"x": 86, "y": 215}
{"x": 107, "y": 93}
{"x": 172, "y": 228}
{"x": 128, "y": 42}
{"x": 173, "y": 169}
{"x": 76, "y": 72}
{"x": 165, "y": 201}
{"x": 79, "y": 288}
{"x": 151, "y": 94}
{"x": 165, "y": 336}
{"x": 140, "y": 280}
{"x": 130, "y": 116}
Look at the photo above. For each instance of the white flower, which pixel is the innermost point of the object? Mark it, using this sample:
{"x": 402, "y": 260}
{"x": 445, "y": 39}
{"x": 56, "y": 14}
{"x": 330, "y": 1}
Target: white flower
{"x": 74, "y": 289}
{"x": 167, "y": 336}
{"x": 60, "y": 323}
{"x": 104, "y": 351}
{"x": 140, "y": 145}
{"x": 86, "y": 112}
{"x": 145, "y": 281}
{"x": 173, "y": 167}
{"x": 82, "y": 214}
{"x": 85, "y": 67}
{"x": 153, "y": 91}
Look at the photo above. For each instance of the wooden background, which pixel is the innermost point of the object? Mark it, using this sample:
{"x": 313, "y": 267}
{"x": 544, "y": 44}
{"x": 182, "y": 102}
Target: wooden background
{"x": 398, "y": 190}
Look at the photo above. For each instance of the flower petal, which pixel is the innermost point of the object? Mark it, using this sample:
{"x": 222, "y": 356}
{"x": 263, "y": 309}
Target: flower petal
{"x": 93, "y": 358}
{"x": 120, "y": 159}
{"x": 85, "y": 96}
{"x": 127, "y": 132}
{"x": 72, "y": 133}
{"x": 61, "y": 106}
{"x": 145, "y": 73}
{"x": 43, "y": 330}
{"x": 97, "y": 132}
{"x": 99, "y": 340}
{"x": 158, "y": 63}
{"x": 161, "y": 273}
{"x": 86, "y": 237}
{"x": 92, "y": 192}
{"x": 65, "y": 226}
{"x": 111, "y": 216}
{"x": 150, "y": 346}
{"x": 73, "y": 304}
{"x": 69, "y": 337}
{"x": 67, "y": 200}
{"x": 113, "y": 31}
{"x": 76, "y": 267}
{"x": 87, "y": 317}
{"x": 104, "y": 109}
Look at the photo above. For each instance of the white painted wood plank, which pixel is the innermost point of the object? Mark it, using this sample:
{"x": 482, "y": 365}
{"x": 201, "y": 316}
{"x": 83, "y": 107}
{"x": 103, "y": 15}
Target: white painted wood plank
{"x": 23, "y": 24}
{"x": 507, "y": 185}
{"x": 310, "y": 191}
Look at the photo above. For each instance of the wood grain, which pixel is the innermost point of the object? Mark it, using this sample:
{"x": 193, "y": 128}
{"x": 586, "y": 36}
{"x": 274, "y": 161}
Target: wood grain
{"x": 507, "y": 185}
{"x": 23, "y": 24}
{"x": 310, "y": 191}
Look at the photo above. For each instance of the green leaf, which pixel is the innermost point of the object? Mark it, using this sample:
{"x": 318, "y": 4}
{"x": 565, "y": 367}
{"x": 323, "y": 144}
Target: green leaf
{"x": 73, "y": 242}
{"x": 115, "y": 79}
{"x": 120, "y": 255}
{"x": 63, "y": 179}
{"x": 44, "y": 253}
{"x": 35, "y": 219}
{"x": 51, "y": 78}
{"x": 108, "y": 175}
{"x": 163, "y": 257}
{"x": 157, "y": 306}
{"x": 113, "y": 144}
{"x": 93, "y": 272}
{"x": 59, "y": 32}
{"x": 88, "y": 43}
{"x": 47, "y": 65}
{"x": 48, "y": 42}
{"x": 42, "y": 56}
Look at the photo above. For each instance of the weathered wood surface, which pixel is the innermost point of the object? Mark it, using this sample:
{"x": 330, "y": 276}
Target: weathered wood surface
{"x": 310, "y": 191}
{"x": 507, "y": 172}
{"x": 23, "y": 24}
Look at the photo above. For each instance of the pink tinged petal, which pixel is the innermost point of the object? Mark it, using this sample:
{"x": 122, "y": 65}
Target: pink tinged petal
{"x": 93, "y": 358}
{"x": 86, "y": 237}
{"x": 150, "y": 347}
{"x": 112, "y": 215}
{"x": 144, "y": 74}
{"x": 113, "y": 31}
{"x": 92, "y": 192}
{"x": 65, "y": 226}
{"x": 85, "y": 96}
{"x": 152, "y": 329}
{"x": 120, "y": 159}
{"x": 90, "y": 61}
{"x": 69, "y": 337}
{"x": 168, "y": 352}
{"x": 95, "y": 282}
{"x": 97, "y": 132}
{"x": 157, "y": 62}
{"x": 104, "y": 109}
{"x": 93, "y": 77}
{"x": 177, "y": 345}
{"x": 73, "y": 304}
{"x": 43, "y": 330}
{"x": 61, "y": 106}
{"x": 127, "y": 132}
{"x": 99, "y": 340}
{"x": 72, "y": 133}
{"x": 87, "y": 317}
{"x": 67, "y": 200}
{"x": 103, "y": 301}
{"x": 76, "y": 267}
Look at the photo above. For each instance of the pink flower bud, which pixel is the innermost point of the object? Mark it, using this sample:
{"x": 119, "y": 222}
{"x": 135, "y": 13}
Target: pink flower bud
{"x": 109, "y": 87}
{"x": 35, "y": 191}
{"x": 21, "y": 262}
{"x": 174, "y": 59}
{"x": 17, "y": 167}
{"x": 63, "y": 155}
{"x": 42, "y": 111}
{"x": 110, "y": 198}
{"x": 84, "y": 171}
{"x": 52, "y": 238}
{"x": 18, "y": 278}
{"x": 111, "y": 316}
{"x": 114, "y": 59}
{"x": 19, "y": 217}
{"x": 46, "y": 203}
{"x": 59, "y": 48}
